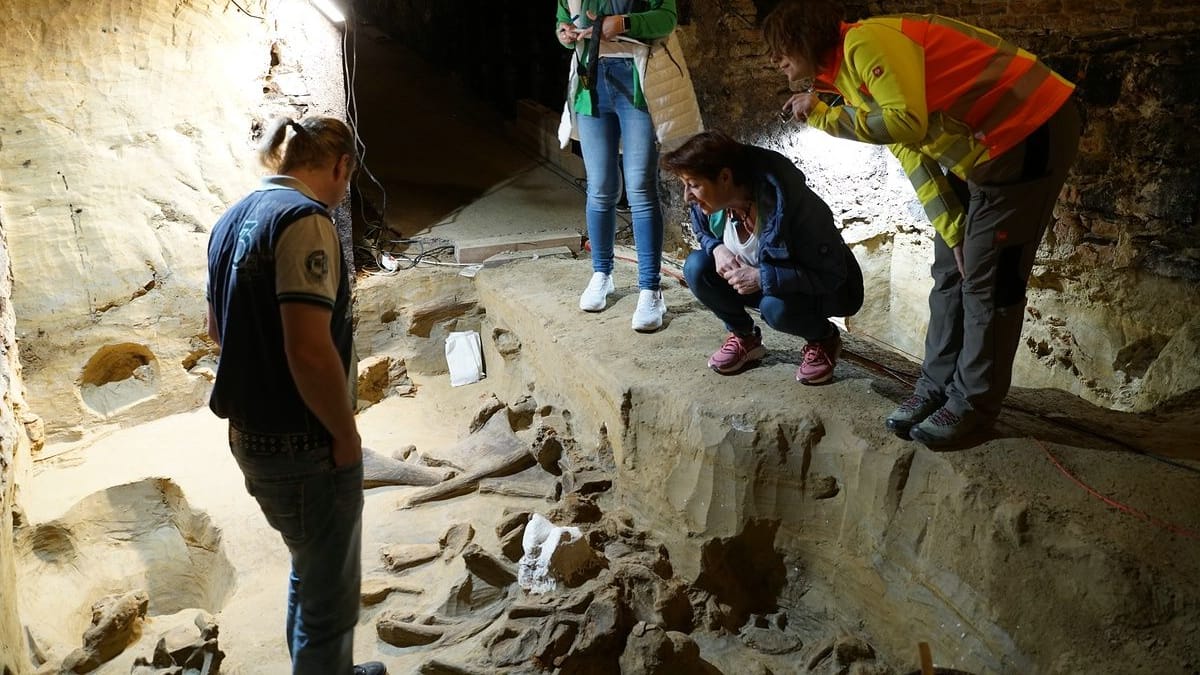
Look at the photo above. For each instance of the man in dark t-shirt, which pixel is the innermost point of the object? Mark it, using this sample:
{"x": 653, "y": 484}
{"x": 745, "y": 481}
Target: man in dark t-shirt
{"x": 279, "y": 307}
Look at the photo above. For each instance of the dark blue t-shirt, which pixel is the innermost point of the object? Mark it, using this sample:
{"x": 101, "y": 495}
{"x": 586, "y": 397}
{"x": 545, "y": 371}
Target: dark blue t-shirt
{"x": 254, "y": 388}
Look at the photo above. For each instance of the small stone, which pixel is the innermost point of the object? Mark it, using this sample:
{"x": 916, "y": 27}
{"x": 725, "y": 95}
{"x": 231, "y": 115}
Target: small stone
{"x": 655, "y": 650}
{"x": 547, "y": 449}
{"x": 507, "y": 343}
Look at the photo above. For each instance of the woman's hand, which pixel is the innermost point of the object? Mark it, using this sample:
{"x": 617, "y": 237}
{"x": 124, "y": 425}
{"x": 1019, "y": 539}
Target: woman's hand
{"x": 799, "y": 106}
{"x": 613, "y": 26}
{"x": 744, "y": 279}
{"x": 726, "y": 261}
{"x": 568, "y": 34}
{"x": 958, "y": 260}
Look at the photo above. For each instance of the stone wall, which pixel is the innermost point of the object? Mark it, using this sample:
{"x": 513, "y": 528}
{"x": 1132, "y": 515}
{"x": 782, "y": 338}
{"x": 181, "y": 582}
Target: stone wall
{"x": 128, "y": 127}
{"x": 16, "y": 428}
{"x": 1110, "y": 301}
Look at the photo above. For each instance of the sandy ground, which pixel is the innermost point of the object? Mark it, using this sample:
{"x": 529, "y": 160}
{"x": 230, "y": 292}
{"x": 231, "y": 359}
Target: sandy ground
{"x": 191, "y": 450}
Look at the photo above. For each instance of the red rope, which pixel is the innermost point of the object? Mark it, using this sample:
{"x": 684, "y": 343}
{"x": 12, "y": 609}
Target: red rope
{"x": 1171, "y": 527}
{"x": 587, "y": 246}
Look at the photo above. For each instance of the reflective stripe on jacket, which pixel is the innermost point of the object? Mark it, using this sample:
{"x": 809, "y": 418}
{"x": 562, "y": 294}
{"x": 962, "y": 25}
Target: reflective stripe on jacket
{"x": 937, "y": 92}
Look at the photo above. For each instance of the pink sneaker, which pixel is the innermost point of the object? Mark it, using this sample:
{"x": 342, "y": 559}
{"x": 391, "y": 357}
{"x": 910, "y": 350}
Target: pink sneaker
{"x": 737, "y": 351}
{"x": 819, "y": 360}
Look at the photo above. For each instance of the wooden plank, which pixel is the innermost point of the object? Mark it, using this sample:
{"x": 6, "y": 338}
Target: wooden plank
{"x": 509, "y": 256}
{"x": 478, "y": 250}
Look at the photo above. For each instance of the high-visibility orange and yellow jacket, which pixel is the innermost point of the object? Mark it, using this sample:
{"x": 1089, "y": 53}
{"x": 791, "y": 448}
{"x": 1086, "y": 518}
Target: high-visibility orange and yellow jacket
{"x": 937, "y": 92}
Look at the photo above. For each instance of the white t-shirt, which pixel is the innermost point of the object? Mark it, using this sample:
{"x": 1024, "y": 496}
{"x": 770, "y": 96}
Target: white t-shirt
{"x": 747, "y": 250}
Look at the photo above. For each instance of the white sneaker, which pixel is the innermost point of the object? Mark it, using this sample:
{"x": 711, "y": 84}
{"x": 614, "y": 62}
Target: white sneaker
{"x": 595, "y": 296}
{"x": 650, "y": 310}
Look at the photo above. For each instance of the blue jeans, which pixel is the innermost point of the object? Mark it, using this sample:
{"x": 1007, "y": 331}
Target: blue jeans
{"x": 617, "y": 124}
{"x": 794, "y": 314}
{"x": 318, "y": 511}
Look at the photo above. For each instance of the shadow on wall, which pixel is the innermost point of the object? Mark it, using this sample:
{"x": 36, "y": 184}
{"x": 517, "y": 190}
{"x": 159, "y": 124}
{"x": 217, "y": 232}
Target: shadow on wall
{"x": 744, "y": 572}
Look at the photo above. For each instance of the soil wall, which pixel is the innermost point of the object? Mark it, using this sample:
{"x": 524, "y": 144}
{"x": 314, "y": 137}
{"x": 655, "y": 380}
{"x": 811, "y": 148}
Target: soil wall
{"x": 129, "y": 127}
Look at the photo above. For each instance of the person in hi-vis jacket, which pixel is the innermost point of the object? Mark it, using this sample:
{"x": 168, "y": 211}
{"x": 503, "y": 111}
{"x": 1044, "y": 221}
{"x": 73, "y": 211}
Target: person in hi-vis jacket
{"x": 986, "y": 133}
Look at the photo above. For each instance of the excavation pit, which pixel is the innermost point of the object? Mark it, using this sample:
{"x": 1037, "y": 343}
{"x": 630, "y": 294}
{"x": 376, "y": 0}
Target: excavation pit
{"x": 801, "y": 523}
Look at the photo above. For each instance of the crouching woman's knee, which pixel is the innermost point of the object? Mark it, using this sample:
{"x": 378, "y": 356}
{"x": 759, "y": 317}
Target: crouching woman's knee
{"x": 775, "y": 312}
{"x": 698, "y": 266}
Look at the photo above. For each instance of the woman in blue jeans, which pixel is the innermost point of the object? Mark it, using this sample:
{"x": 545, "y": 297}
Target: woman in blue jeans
{"x": 614, "y": 125}
{"x": 766, "y": 241}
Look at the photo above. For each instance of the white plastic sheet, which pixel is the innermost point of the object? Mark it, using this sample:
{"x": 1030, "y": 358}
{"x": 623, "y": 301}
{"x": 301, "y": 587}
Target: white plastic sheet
{"x": 464, "y": 355}
{"x": 540, "y": 541}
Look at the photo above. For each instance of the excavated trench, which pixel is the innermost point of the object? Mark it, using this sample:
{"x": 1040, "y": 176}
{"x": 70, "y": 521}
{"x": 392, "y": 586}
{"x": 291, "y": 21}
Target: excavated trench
{"x": 803, "y": 536}
{"x": 741, "y": 524}
{"x": 136, "y": 537}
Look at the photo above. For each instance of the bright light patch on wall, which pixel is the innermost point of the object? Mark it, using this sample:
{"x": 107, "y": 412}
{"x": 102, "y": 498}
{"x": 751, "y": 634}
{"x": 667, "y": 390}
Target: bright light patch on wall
{"x": 860, "y": 181}
{"x": 330, "y": 10}
{"x": 838, "y": 156}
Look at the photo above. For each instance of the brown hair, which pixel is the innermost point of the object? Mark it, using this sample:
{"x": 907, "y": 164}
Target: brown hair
{"x": 317, "y": 142}
{"x": 705, "y": 154}
{"x": 810, "y": 28}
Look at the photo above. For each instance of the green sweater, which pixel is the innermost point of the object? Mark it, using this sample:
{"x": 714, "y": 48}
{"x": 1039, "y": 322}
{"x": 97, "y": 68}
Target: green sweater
{"x": 657, "y": 22}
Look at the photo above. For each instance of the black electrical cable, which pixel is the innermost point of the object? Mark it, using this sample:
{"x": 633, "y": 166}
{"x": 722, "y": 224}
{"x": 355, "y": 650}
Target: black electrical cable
{"x": 728, "y": 11}
{"x": 423, "y": 256}
{"x": 374, "y": 228}
{"x": 243, "y": 10}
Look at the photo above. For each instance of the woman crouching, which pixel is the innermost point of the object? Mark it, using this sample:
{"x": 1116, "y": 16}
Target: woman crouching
{"x": 766, "y": 241}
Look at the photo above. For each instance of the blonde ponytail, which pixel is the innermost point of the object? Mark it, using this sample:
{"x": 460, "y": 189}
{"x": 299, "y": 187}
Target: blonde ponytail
{"x": 316, "y": 142}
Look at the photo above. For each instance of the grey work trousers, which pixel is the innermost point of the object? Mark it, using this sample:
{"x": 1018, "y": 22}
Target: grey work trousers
{"x": 975, "y": 322}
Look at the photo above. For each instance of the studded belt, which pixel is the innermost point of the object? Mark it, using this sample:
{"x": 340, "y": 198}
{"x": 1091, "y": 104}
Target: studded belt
{"x": 273, "y": 444}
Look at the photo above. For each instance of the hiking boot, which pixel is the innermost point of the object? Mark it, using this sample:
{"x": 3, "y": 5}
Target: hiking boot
{"x": 370, "y": 668}
{"x": 944, "y": 427}
{"x": 819, "y": 358}
{"x": 737, "y": 351}
{"x": 911, "y": 410}
{"x": 595, "y": 296}
{"x": 650, "y": 310}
